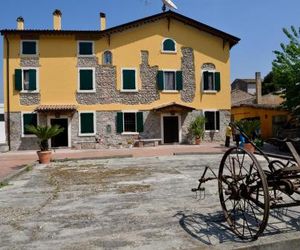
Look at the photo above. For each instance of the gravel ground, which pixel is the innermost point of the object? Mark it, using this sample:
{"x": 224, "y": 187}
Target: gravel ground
{"x": 130, "y": 203}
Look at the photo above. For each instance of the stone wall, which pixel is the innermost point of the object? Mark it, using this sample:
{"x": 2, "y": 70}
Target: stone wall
{"x": 106, "y": 79}
{"x": 17, "y": 141}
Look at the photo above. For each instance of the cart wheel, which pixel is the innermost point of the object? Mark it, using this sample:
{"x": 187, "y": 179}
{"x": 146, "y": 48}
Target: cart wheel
{"x": 243, "y": 192}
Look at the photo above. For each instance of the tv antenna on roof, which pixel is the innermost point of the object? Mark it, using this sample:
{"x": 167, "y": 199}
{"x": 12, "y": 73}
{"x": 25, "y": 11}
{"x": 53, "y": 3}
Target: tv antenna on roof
{"x": 169, "y": 4}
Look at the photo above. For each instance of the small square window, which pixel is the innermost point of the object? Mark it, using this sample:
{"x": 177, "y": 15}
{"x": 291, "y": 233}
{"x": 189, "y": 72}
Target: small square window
{"x": 29, "y": 48}
{"x": 85, "y": 48}
{"x": 1, "y": 117}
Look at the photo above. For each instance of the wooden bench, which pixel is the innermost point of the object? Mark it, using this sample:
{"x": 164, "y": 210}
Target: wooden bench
{"x": 142, "y": 142}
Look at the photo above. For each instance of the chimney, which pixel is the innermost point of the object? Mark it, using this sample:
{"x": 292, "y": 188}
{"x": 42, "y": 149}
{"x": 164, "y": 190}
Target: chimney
{"x": 57, "y": 19}
{"x": 20, "y": 23}
{"x": 258, "y": 87}
{"x": 102, "y": 21}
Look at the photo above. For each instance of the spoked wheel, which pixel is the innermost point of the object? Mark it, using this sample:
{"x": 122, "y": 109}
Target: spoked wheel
{"x": 243, "y": 192}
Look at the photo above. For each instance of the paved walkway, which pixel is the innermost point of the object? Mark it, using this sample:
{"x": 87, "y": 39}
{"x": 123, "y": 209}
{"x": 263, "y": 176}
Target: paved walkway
{"x": 13, "y": 161}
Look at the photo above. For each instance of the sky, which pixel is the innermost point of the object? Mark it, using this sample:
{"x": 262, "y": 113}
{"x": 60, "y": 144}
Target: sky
{"x": 258, "y": 23}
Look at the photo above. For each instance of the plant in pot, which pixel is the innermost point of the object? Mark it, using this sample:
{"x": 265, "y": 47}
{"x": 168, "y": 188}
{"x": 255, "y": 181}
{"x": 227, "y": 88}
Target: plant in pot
{"x": 197, "y": 128}
{"x": 250, "y": 128}
{"x": 44, "y": 133}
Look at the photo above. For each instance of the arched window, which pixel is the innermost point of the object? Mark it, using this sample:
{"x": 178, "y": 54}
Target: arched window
{"x": 107, "y": 57}
{"x": 169, "y": 45}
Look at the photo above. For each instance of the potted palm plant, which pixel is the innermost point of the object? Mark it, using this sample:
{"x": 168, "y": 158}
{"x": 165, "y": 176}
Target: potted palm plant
{"x": 44, "y": 133}
{"x": 250, "y": 128}
{"x": 197, "y": 128}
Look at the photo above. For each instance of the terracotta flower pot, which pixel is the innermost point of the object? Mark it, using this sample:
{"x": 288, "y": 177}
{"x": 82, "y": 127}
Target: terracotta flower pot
{"x": 197, "y": 140}
{"x": 44, "y": 156}
{"x": 249, "y": 147}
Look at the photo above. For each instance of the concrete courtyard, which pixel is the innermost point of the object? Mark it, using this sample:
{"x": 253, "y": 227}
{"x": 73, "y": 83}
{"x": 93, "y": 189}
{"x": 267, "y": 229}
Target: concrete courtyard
{"x": 128, "y": 203}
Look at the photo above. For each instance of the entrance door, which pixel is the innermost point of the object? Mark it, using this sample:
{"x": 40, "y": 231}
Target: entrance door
{"x": 61, "y": 140}
{"x": 171, "y": 132}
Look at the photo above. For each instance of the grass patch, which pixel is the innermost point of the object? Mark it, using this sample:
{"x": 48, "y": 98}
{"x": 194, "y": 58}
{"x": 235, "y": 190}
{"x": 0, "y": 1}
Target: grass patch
{"x": 133, "y": 189}
{"x": 3, "y": 184}
{"x": 28, "y": 168}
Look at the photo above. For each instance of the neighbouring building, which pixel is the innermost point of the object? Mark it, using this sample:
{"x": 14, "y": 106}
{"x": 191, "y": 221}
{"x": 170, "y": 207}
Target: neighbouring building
{"x": 246, "y": 85}
{"x": 265, "y": 108}
{"x": 2, "y": 124}
{"x": 145, "y": 79}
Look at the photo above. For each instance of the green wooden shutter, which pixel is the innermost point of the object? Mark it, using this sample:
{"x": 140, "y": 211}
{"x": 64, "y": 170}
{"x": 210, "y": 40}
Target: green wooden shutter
{"x": 205, "y": 80}
{"x": 140, "y": 122}
{"x": 29, "y": 119}
{"x": 87, "y": 123}
{"x": 32, "y": 79}
{"x": 217, "y": 120}
{"x": 119, "y": 122}
{"x": 18, "y": 79}
{"x": 169, "y": 45}
{"x": 217, "y": 81}
{"x": 86, "y": 79}
{"x": 85, "y": 48}
{"x": 179, "y": 80}
{"x": 128, "y": 79}
{"x": 160, "y": 80}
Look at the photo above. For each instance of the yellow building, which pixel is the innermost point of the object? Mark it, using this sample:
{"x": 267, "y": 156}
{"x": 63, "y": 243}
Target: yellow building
{"x": 265, "y": 108}
{"x": 145, "y": 79}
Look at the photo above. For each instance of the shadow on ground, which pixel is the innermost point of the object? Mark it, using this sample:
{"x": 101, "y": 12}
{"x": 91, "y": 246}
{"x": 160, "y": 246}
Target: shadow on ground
{"x": 212, "y": 229}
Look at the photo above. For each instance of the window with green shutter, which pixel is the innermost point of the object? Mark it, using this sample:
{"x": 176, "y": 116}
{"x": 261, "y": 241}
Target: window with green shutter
{"x": 29, "y": 119}
{"x": 86, "y": 80}
{"x": 32, "y": 79}
{"x": 87, "y": 123}
{"x": 26, "y": 79}
{"x": 119, "y": 122}
{"x": 211, "y": 81}
{"x": 29, "y": 47}
{"x": 140, "y": 122}
{"x": 169, "y": 45}
{"x": 212, "y": 120}
{"x": 85, "y": 48}
{"x": 128, "y": 79}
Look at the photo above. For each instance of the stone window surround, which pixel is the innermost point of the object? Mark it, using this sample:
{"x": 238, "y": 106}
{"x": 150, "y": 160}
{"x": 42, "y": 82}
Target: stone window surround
{"x": 168, "y": 90}
{"x": 37, "y": 80}
{"x": 22, "y": 123}
{"x": 86, "y": 41}
{"x": 168, "y": 51}
{"x": 29, "y": 55}
{"x": 136, "y": 82}
{"x": 130, "y": 111}
{"x": 79, "y": 123}
{"x": 94, "y": 80}
{"x": 212, "y": 110}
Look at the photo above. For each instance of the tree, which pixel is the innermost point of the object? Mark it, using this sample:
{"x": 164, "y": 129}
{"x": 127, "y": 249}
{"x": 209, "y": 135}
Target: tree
{"x": 286, "y": 70}
{"x": 268, "y": 85}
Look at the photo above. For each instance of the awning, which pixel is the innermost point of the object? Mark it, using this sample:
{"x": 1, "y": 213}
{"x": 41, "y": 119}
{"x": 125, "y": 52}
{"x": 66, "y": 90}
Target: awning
{"x": 173, "y": 107}
{"x": 56, "y": 108}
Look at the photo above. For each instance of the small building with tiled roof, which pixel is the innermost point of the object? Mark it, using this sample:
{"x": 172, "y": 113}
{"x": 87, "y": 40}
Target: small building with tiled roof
{"x": 265, "y": 108}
